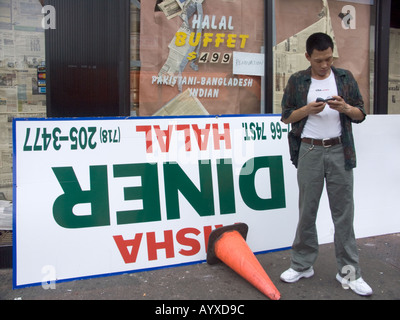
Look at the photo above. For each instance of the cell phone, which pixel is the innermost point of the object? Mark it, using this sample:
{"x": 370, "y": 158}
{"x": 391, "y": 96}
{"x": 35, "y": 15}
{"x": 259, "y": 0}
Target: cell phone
{"x": 325, "y": 100}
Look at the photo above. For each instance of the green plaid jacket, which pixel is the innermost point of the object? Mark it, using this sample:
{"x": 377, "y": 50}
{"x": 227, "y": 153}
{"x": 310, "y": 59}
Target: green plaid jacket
{"x": 295, "y": 96}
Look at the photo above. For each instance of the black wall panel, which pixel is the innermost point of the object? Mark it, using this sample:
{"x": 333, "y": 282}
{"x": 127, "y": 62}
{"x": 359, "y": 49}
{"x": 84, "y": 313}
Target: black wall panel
{"x": 87, "y": 59}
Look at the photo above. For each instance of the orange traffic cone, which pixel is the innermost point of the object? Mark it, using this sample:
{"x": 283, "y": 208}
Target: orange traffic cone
{"x": 228, "y": 244}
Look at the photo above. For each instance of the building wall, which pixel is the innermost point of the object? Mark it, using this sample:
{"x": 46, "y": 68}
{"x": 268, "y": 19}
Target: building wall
{"x": 22, "y": 50}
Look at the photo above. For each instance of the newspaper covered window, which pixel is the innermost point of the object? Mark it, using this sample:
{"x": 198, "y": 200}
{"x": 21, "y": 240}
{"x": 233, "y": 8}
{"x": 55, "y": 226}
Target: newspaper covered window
{"x": 347, "y": 22}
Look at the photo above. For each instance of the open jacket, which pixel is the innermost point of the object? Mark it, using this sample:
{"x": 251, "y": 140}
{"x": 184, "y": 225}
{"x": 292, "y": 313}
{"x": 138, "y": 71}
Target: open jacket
{"x": 295, "y": 97}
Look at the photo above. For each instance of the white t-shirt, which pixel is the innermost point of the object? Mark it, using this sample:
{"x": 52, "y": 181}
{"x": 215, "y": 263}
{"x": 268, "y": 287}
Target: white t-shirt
{"x": 325, "y": 124}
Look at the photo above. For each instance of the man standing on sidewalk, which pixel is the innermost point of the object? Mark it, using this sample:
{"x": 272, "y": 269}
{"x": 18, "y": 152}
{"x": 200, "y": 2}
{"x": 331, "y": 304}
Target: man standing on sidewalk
{"x": 322, "y": 102}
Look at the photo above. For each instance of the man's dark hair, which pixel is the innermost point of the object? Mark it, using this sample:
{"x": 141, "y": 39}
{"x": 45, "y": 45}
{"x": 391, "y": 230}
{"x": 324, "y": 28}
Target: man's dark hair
{"x": 318, "y": 41}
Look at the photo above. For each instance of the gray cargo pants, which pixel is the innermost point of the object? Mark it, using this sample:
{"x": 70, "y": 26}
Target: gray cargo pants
{"x": 316, "y": 165}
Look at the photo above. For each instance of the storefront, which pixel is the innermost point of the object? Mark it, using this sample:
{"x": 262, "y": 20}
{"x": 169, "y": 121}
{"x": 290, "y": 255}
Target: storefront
{"x": 178, "y": 51}
{"x": 119, "y": 170}
{"x": 181, "y": 57}
{"x": 224, "y": 57}
{"x": 144, "y": 58}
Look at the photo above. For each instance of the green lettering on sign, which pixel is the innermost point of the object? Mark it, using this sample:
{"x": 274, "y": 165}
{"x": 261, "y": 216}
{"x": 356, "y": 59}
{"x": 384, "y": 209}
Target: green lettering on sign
{"x": 73, "y": 195}
{"x": 247, "y": 183}
{"x": 225, "y": 186}
{"x": 176, "y": 181}
{"x": 148, "y": 192}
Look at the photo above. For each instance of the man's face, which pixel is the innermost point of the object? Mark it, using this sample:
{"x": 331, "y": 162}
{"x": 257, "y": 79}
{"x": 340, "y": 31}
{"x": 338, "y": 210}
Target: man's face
{"x": 321, "y": 62}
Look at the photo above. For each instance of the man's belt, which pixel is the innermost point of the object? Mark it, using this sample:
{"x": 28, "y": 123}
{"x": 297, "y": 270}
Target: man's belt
{"x": 323, "y": 142}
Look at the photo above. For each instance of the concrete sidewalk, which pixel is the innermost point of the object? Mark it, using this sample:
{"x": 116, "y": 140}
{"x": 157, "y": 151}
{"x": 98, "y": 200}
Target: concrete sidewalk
{"x": 379, "y": 260}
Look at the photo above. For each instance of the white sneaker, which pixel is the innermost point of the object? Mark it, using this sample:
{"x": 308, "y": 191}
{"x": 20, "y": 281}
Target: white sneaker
{"x": 359, "y": 286}
{"x": 291, "y": 275}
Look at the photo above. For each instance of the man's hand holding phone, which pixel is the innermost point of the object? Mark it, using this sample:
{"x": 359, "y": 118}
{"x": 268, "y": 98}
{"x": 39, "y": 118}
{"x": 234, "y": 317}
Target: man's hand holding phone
{"x": 337, "y": 103}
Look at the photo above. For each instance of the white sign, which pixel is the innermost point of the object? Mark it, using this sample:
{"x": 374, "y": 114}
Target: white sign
{"x": 250, "y": 64}
{"x": 107, "y": 196}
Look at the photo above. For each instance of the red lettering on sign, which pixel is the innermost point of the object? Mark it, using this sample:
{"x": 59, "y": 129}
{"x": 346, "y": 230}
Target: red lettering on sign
{"x": 207, "y": 231}
{"x": 199, "y": 133}
{"x": 193, "y": 243}
{"x": 161, "y": 134}
{"x": 149, "y": 138}
{"x": 153, "y": 246}
{"x": 182, "y": 239}
{"x": 186, "y": 130}
{"x": 129, "y": 257}
{"x": 224, "y": 136}
{"x": 202, "y": 136}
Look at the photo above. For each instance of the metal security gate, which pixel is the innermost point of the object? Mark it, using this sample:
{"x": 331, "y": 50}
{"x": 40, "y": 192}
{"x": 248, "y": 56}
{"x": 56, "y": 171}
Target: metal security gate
{"x": 88, "y": 58}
